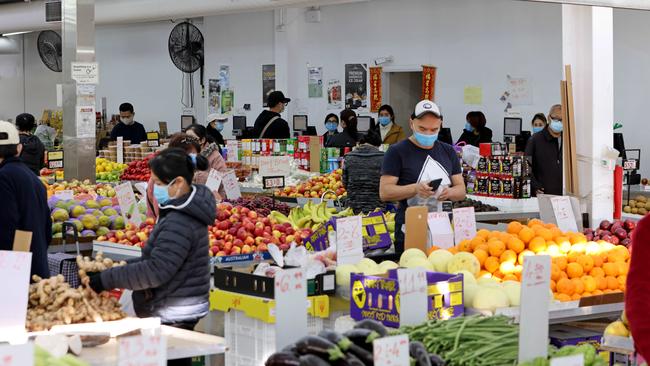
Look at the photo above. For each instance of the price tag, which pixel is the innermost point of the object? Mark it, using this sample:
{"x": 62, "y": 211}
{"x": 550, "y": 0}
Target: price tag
{"x": 231, "y": 185}
{"x": 290, "y": 312}
{"x": 142, "y": 350}
{"x": 233, "y": 150}
{"x": 563, "y": 212}
{"x": 15, "y": 268}
{"x": 413, "y": 296}
{"x": 442, "y": 235}
{"x": 275, "y": 166}
{"x": 153, "y": 139}
{"x": 464, "y": 224}
{"x": 273, "y": 182}
{"x": 128, "y": 204}
{"x": 214, "y": 180}
{"x": 575, "y": 360}
{"x": 55, "y": 159}
{"x": 630, "y": 164}
{"x": 18, "y": 355}
{"x": 65, "y": 195}
{"x": 120, "y": 149}
{"x": 533, "y": 310}
{"x": 349, "y": 240}
{"x": 391, "y": 351}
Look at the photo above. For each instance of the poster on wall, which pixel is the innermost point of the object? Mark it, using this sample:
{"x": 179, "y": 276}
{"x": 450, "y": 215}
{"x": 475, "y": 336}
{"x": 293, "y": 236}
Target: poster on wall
{"x": 356, "y": 90}
{"x": 224, "y": 77}
{"x": 227, "y": 101}
{"x": 315, "y": 82}
{"x": 334, "y": 94}
{"x": 519, "y": 91}
{"x": 375, "y": 88}
{"x": 214, "y": 96}
{"x": 268, "y": 82}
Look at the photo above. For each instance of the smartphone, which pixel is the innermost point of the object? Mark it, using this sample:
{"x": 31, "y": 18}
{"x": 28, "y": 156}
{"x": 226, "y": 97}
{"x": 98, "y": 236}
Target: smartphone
{"x": 435, "y": 184}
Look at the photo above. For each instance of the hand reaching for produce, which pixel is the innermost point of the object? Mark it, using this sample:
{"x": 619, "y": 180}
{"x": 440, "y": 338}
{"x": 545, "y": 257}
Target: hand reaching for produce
{"x": 95, "y": 282}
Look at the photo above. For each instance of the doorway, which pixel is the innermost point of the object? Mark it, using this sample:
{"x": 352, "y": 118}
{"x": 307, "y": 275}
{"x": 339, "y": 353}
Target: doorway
{"x": 404, "y": 90}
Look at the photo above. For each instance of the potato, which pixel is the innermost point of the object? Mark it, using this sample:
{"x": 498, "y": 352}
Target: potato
{"x": 627, "y": 209}
{"x": 643, "y": 211}
{"x": 635, "y": 210}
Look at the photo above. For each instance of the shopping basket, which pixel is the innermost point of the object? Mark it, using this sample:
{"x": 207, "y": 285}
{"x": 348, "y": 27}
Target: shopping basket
{"x": 63, "y": 263}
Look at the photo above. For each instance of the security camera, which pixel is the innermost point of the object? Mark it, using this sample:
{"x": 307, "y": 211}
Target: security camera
{"x": 383, "y": 60}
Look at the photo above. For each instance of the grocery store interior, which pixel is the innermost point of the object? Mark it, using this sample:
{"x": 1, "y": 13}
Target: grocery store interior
{"x": 324, "y": 182}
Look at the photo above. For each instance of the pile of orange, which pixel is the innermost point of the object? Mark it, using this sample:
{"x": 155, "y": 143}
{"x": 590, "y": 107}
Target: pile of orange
{"x": 580, "y": 268}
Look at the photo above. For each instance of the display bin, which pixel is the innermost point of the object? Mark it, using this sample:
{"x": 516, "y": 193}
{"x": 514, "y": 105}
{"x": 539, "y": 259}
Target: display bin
{"x": 563, "y": 335}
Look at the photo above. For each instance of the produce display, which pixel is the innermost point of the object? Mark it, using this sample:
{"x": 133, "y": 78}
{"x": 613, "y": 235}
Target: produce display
{"x": 44, "y": 357}
{"x": 261, "y": 204}
{"x": 640, "y": 205}
{"x": 478, "y": 205}
{"x": 310, "y": 215}
{"x": 80, "y": 188}
{"x": 92, "y": 217}
{"x": 138, "y": 170}
{"x": 619, "y": 328}
{"x": 588, "y": 351}
{"x": 617, "y": 232}
{"x": 108, "y": 171}
{"x": 130, "y": 234}
{"x": 316, "y": 187}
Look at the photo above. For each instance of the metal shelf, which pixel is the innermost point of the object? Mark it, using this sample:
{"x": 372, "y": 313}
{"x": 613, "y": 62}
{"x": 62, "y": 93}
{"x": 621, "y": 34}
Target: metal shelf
{"x": 116, "y": 251}
{"x": 564, "y": 312}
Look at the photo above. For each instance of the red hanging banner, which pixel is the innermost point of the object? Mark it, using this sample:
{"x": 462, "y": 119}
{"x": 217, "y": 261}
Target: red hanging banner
{"x": 375, "y": 88}
{"x": 428, "y": 82}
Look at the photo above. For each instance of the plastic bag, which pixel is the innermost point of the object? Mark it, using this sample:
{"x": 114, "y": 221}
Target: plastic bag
{"x": 471, "y": 155}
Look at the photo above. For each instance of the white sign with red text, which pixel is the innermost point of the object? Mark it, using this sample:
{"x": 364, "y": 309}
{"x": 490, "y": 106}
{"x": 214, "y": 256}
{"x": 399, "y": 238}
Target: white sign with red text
{"x": 290, "y": 312}
{"x": 391, "y": 351}
{"x": 414, "y": 303}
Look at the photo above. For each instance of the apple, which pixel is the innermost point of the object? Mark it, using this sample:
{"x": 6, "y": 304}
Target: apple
{"x": 229, "y": 237}
{"x": 262, "y": 247}
{"x": 119, "y": 235}
{"x": 268, "y": 230}
{"x": 290, "y": 230}
{"x": 101, "y": 238}
{"x": 280, "y": 228}
{"x": 238, "y": 243}
{"x": 235, "y": 250}
{"x": 629, "y": 225}
{"x": 284, "y": 247}
{"x": 214, "y": 250}
{"x": 621, "y": 233}
{"x": 246, "y": 249}
{"x": 277, "y": 234}
{"x": 227, "y": 246}
{"x": 223, "y": 225}
{"x": 258, "y": 232}
{"x": 112, "y": 240}
{"x": 249, "y": 240}
{"x": 290, "y": 238}
{"x": 614, "y": 240}
{"x": 232, "y": 231}
{"x": 626, "y": 242}
{"x": 249, "y": 226}
{"x": 142, "y": 236}
{"x": 605, "y": 225}
{"x": 220, "y": 253}
{"x": 266, "y": 221}
{"x": 259, "y": 225}
{"x": 252, "y": 215}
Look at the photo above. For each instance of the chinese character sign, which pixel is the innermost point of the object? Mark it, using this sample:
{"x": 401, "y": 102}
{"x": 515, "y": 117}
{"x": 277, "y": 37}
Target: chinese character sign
{"x": 428, "y": 82}
{"x": 375, "y": 88}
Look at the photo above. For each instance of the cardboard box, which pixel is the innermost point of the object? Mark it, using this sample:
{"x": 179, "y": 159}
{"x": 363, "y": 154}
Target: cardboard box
{"x": 375, "y": 234}
{"x": 563, "y": 335}
{"x": 377, "y": 297}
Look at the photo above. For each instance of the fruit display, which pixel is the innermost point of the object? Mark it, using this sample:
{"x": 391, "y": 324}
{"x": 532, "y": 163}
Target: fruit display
{"x": 92, "y": 217}
{"x": 389, "y": 217}
{"x": 478, "y": 205}
{"x": 108, "y": 171}
{"x": 316, "y": 187}
{"x": 261, "y": 204}
{"x": 619, "y": 328}
{"x": 80, "y": 188}
{"x": 130, "y": 234}
{"x": 138, "y": 170}
{"x": 589, "y": 352}
{"x": 640, "y": 205}
{"x": 617, "y": 232}
{"x": 311, "y": 215}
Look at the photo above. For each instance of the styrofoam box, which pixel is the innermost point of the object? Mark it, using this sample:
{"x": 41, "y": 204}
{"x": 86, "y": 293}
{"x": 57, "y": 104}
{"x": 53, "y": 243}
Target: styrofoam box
{"x": 251, "y": 341}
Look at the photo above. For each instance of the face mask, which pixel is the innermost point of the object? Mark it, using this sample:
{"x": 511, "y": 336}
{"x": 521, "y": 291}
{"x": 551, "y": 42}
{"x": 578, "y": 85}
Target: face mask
{"x": 193, "y": 157}
{"x": 219, "y": 126}
{"x": 537, "y": 129}
{"x": 331, "y": 126}
{"x": 425, "y": 140}
{"x": 384, "y": 120}
{"x": 162, "y": 193}
{"x": 469, "y": 127}
{"x": 127, "y": 121}
{"x": 556, "y": 126}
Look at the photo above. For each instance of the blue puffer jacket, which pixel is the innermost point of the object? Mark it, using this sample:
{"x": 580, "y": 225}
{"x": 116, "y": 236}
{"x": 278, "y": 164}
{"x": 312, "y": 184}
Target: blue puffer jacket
{"x": 172, "y": 278}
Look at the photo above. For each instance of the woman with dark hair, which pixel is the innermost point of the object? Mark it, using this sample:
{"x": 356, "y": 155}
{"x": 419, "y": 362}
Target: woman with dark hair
{"x": 475, "y": 132}
{"x": 33, "y": 153}
{"x": 350, "y": 135}
{"x": 216, "y": 123}
{"x": 539, "y": 122}
{"x": 209, "y": 149}
{"x": 332, "y": 125}
{"x": 390, "y": 132}
{"x": 171, "y": 280}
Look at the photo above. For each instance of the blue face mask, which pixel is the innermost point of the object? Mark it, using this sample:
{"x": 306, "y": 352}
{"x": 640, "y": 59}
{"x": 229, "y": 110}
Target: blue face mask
{"x": 331, "y": 126}
{"x": 219, "y": 126}
{"x": 193, "y": 157}
{"x": 556, "y": 126}
{"x": 425, "y": 140}
{"x": 162, "y": 193}
{"x": 537, "y": 129}
{"x": 384, "y": 120}
{"x": 469, "y": 127}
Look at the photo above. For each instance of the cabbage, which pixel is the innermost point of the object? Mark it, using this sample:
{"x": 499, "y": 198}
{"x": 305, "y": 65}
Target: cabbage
{"x": 343, "y": 272}
{"x": 464, "y": 261}
{"x": 490, "y": 298}
{"x": 439, "y": 259}
{"x": 411, "y": 253}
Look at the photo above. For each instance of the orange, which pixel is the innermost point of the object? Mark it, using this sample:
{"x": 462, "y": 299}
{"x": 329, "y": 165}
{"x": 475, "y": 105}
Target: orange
{"x": 563, "y": 275}
{"x": 597, "y": 292}
{"x": 622, "y": 279}
{"x": 478, "y": 240}
{"x": 623, "y": 268}
{"x": 561, "y": 262}
{"x": 534, "y": 222}
{"x": 610, "y": 269}
{"x": 598, "y": 260}
{"x": 453, "y": 250}
{"x": 563, "y": 297}
{"x": 607, "y": 291}
{"x": 507, "y": 268}
{"x": 496, "y": 248}
{"x": 520, "y": 258}
{"x": 580, "y": 287}
{"x": 516, "y": 245}
{"x": 552, "y": 249}
{"x": 587, "y": 294}
{"x": 491, "y": 264}
{"x": 557, "y": 233}
{"x": 586, "y": 262}
{"x": 602, "y": 283}
{"x": 574, "y": 270}
{"x": 538, "y": 244}
{"x": 597, "y": 272}
{"x": 504, "y": 237}
{"x": 510, "y": 277}
{"x": 578, "y": 239}
{"x": 498, "y": 274}
{"x": 550, "y": 225}
{"x": 545, "y": 233}
{"x": 555, "y": 272}
{"x": 494, "y": 235}
{"x": 573, "y": 256}
{"x": 508, "y": 256}
{"x": 483, "y": 246}
{"x": 465, "y": 246}
{"x": 514, "y": 227}
{"x": 565, "y": 245}
{"x": 590, "y": 283}
{"x": 552, "y": 285}
{"x": 526, "y": 234}
{"x": 481, "y": 255}
{"x": 575, "y": 297}
{"x": 565, "y": 286}
{"x": 484, "y": 274}
{"x": 618, "y": 254}
{"x": 483, "y": 233}
{"x": 612, "y": 283}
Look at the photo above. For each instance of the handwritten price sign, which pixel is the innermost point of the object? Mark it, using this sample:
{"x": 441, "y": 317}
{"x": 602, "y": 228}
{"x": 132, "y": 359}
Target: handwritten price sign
{"x": 464, "y": 224}
{"x": 231, "y": 185}
{"x": 391, "y": 351}
{"x": 142, "y": 350}
{"x": 14, "y": 271}
{"x": 349, "y": 240}
{"x": 65, "y": 195}
{"x": 290, "y": 311}
{"x": 533, "y": 318}
{"x": 413, "y": 295}
{"x": 563, "y": 212}
{"x": 19, "y": 355}
{"x": 214, "y": 180}
{"x": 442, "y": 235}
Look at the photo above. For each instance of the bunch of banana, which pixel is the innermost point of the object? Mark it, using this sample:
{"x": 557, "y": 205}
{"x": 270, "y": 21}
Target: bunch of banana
{"x": 389, "y": 217}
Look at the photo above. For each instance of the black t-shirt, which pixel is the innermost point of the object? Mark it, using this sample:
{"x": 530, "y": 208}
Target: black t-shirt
{"x": 134, "y": 132}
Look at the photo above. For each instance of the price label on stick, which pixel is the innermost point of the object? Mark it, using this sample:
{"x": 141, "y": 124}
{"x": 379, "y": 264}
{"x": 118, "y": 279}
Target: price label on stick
{"x": 18, "y": 355}
{"x": 128, "y": 204}
{"x": 120, "y": 149}
{"x": 391, "y": 351}
{"x": 563, "y": 212}
{"x": 413, "y": 296}
{"x": 533, "y": 310}
{"x": 214, "y": 180}
{"x": 290, "y": 290}
{"x": 14, "y": 271}
{"x": 464, "y": 224}
{"x": 442, "y": 235}
{"x": 349, "y": 240}
{"x": 65, "y": 195}
{"x": 575, "y": 360}
{"x": 142, "y": 350}
{"x": 231, "y": 185}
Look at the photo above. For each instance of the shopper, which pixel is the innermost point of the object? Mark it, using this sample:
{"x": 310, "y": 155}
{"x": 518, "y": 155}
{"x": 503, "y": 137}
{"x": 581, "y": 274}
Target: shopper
{"x": 349, "y": 137}
{"x": 538, "y": 122}
{"x": 24, "y": 202}
{"x": 269, "y": 124}
{"x": 209, "y": 149}
{"x": 33, "y": 151}
{"x": 637, "y": 292}
{"x": 445, "y": 133}
{"x": 361, "y": 173}
{"x": 390, "y": 132}
{"x": 128, "y": 128}
{"x": 46, "y": 134}
{"x": 171, "y": 280}
{"x": 332, "y": 127}
{"x": 544, "y": 151}
{"x": 411, "y": 164}
{"x": 475, "y": 132}
{"x": 216, "y": 122}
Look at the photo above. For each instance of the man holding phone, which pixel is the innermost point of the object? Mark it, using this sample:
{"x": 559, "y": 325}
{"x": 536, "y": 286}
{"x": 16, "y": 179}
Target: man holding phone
{"x": 413, "y": 167}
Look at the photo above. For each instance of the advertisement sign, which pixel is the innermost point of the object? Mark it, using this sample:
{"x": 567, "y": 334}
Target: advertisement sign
{"x": 356, "y": 89}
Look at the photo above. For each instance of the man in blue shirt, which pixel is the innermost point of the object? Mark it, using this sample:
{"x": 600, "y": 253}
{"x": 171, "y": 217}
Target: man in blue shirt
{"x": 128, "y": 128}
{"x": 408, "y": 164}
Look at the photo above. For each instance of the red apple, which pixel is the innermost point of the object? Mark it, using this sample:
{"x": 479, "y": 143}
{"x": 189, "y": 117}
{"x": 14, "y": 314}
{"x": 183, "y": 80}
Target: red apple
{"x": 261, "y": 247}
{"x": 246, "y": 249}
{"x": 220, "y": 253}
{"x": 258, "y": 232}
{"x": 252, "y": 215}
{"x": 290, "y": 230}
{"x": 227, "y": 246}
{"x": 267, "y": 229}
{"x": 249, "y": 240}
{"x": 249, "y": 226}
{"x": 238, "y": 243}
{"x": 235, "y": 250}
{"x": 228, "y": 237}
{"x": 244, "y": 211}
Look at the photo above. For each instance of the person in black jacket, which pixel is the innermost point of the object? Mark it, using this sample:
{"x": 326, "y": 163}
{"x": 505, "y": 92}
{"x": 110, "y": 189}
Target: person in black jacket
{"x": 216, "y": 122}
{"x": 475, "y": 132}
{"x": 544, "y": 152}
{"x": 24, "y": 202}
{"x": 269, "y": 124}
{"x": 172, "y": 278}
{"x": 33, "y": 152}
{"x": 361, "y": 174}
{"x": 350, "y": 135}
{"x": 128, "y": 128}
{"x": 331, "y": 125}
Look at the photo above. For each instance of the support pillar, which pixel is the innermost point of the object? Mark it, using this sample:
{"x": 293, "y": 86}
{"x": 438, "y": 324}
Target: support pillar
{"x": 587, "y": 45}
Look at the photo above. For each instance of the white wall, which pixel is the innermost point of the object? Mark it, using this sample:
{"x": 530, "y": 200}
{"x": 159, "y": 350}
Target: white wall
{"x": 11, "y": 85}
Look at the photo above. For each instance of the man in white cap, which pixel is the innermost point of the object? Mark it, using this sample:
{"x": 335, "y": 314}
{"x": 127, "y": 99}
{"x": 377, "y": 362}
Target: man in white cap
{"x": 410, "y": 165}
{"x": 24, "y": 201}
{"x": 215, "y": 126}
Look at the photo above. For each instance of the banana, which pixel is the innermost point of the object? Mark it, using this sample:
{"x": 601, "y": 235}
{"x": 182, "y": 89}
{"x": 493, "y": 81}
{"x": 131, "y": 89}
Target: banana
{"x": 314, "y": 227}
{"x": 315, "y": 217}
{"x": 280, "y": 217}
{"x": 303, "y": 222}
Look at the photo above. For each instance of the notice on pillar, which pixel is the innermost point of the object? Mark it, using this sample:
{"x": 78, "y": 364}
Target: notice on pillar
{"x": 85, "y": 72}
{"x": 290, "y": 306}
{"x": 128, "y": 204}
{"x": 464, "y": 224}
{"x": 15, "y": 268}
{"x": 413, "y": 308}
{"x": 442, "y": 235}
{"x": 120, "y": 150}
{"x": 86, "y": 122}
{"x": 349, "y": 240}
{"x": 533, "y": 310}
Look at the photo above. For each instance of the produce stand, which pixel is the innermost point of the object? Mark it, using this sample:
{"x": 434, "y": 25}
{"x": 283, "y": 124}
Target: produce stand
{"x": 560, "y": 313}
{"x": 116, "y": 251}
{"x": 70, "y": 248}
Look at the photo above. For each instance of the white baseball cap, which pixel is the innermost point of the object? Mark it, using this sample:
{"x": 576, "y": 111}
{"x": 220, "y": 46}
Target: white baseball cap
{"x": 426, "y": 106}
{"x": 216, "y": 117}
{"x": 8, "y": 134}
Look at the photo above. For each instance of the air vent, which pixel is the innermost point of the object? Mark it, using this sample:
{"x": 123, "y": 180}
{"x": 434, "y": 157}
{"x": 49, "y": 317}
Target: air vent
{"x": 53, "y": 11}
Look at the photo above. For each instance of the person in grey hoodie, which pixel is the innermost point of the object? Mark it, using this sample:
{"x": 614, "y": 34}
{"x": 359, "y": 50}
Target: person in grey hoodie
{"x": 172, "y": 278}
{"x": 361, "y": 173}
{"x": 33, "y": 154}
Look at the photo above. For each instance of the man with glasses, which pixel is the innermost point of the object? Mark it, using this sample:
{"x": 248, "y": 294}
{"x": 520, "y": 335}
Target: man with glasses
{"x": 269, "y": 124}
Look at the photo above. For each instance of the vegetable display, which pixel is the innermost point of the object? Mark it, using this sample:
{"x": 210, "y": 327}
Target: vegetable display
{"x": 590, "y": 356}
{"x": 43, "y": 357}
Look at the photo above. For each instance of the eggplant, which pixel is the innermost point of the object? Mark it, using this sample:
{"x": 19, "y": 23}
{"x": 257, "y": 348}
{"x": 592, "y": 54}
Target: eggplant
{"x": 290, "y": 349}
{"x": 282, "y": 359}
{"x": 319, "y": 346}
{"x": 372, "y": 325}
{"x": 312, "y": 360}
{"x": 419, "y": 353}
{"x": 436, "y": 360}
{"x": 362, "y": 337}
{"x": 347, "y": 346}
{"x": 349, "y": 360}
